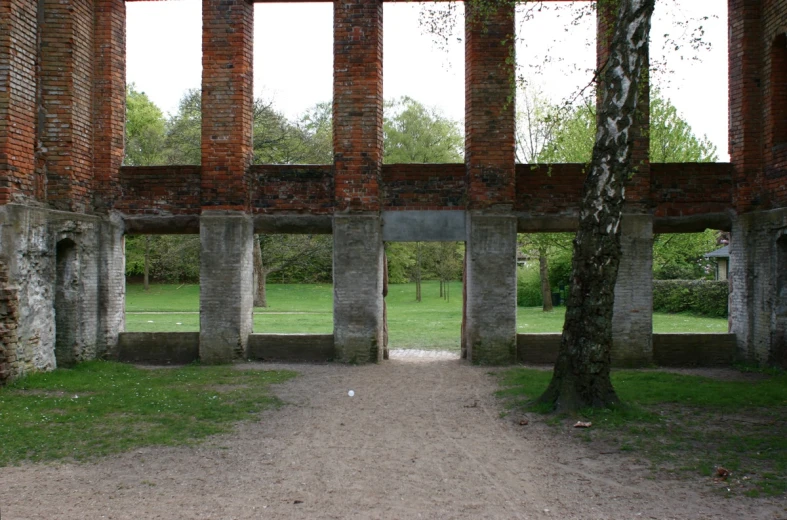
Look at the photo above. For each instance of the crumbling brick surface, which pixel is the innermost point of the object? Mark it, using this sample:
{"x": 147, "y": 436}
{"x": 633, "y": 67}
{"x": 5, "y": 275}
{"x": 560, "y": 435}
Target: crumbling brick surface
{"x": 299, "y": 189}
{"x": 9, "y": 321}
{"x": 18, "y": 53}
{"x": 159, "y": 190}
{"x": 424, "y": 186}
{"x": 358, "y": 103}
{"x": 489, "y": 108}
{"x": 691, "y": 189}
{"x": 227, "y": 97}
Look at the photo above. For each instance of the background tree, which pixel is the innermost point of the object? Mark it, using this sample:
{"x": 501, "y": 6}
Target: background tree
{"x": 415, "y": 133}
{"x": 671, "y": 137}
{"x": 145, "y": 130}
{"x": 184, "y": 131}
{"x": 301, "y": 258}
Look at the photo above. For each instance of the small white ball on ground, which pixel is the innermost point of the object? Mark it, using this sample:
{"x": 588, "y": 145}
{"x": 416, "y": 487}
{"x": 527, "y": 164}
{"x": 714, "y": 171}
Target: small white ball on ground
{"x": 351, "y": 393}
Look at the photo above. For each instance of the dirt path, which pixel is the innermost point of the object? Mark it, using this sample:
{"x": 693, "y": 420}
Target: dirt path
{"x": 421, "y": 438}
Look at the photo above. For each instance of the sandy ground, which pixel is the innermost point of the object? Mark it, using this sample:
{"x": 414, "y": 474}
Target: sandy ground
{"x": 421, "y": 438}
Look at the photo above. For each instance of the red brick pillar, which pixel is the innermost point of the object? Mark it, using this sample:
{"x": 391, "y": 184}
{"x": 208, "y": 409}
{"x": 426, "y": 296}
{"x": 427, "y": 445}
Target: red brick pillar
{"x": 18, "y": 50}
{"x": 489, "y": 321}
{"x": 358, "y": 103}
{"x": 489, "y": 108}
{"x": 632, "y": 325}
{"x": 746, "y": 100}
{"x": 109, "y": 85}
{"x": 67, "y": 60}
{"x": 227, "y": 98}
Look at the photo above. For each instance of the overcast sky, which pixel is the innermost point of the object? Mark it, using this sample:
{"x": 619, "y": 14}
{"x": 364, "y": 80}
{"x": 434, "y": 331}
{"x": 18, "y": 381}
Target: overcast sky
{"x": 556, "y": 50}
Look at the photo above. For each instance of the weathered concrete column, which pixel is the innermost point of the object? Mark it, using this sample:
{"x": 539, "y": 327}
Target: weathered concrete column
{"x": 632, "y": 319}
{"x": 490, "y": 302}
{"x": 358, "y": 271}
{"x": 111, "y": 285}
{"x": 758, "y": 286}
{"x": 226, "y": 303}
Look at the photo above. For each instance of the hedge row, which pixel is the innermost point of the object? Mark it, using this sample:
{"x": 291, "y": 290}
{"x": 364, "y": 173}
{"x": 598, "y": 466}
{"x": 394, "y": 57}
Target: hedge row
{"x": 703, "y": 297}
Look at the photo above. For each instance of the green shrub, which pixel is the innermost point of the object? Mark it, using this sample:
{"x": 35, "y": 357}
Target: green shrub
{"x": 702, "y": 297}
{"x": 528, "y": 287}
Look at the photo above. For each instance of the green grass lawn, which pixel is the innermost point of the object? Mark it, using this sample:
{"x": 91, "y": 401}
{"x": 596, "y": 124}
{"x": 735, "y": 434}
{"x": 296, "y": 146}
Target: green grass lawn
{"x": 307, "y": 308}
{"x": 683, "y": 424}
{"x": 98, "y": 407}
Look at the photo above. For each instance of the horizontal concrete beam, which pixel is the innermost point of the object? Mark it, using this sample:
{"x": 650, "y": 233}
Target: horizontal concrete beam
{"x": 161, "y": 224}
{"x": 424, "y": 226}
{"x": 291, "y": 347}
{"x": 293, "y": 224}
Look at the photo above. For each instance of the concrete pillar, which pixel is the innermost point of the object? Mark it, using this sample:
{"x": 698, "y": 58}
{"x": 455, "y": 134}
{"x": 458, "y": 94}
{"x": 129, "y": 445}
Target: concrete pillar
{"x": 490, "y": 283}
{"x": 111, "y": 285}
{"x": 758, "y": 286}
{"x": 632, "y": 320}
{"x": 358, "y": 269}
{"x": 226, "y": 303}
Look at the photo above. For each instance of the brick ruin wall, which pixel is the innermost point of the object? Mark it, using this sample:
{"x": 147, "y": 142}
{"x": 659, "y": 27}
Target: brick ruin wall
{"x": 62, "y": 95}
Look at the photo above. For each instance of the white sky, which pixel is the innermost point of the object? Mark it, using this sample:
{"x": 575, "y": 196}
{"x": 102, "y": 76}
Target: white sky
{"x": 293, "y": 67}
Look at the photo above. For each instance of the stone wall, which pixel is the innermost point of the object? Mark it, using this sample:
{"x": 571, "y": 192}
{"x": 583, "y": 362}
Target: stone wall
{"x": 68, "y": 285}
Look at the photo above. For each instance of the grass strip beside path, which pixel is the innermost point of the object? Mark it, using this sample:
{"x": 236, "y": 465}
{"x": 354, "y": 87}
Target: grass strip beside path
{"x": 684, "y": 424}
{"x": 99, "y": 407}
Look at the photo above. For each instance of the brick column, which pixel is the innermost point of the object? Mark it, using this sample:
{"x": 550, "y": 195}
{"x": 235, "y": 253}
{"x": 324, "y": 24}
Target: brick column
{"x": 66, "y": 104}
{"x": 227, "y": 99}
{"x": 109, "y": 105}
{"x": 489, "y": 321}
{"x": 746, "y": 100}
{"x": 18, "y": 53}
{"x": 490, "y": 108}
{"x": 358, "y": 103}
{"x": 226, "y": 230}
{"x": 358, "y": 152}
{"x": 632, "y": 326}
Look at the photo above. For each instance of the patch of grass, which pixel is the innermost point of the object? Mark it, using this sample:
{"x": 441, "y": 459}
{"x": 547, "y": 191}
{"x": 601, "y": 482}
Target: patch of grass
{"x": 432, "y": 323}
{"x": 684, "y": 424}
{"x": 98, "y": 408}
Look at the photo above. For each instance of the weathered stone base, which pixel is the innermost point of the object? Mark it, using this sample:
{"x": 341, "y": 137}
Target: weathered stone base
{"x": 632, "y": 319}
{"x": 226, "y": 272}
{"x": 358, "y": 271}
{"x": 489, "y": 326}
{"x": 669, "y": 350}
{"x": 758, "y": 286}
{"x": 62, "y": 288}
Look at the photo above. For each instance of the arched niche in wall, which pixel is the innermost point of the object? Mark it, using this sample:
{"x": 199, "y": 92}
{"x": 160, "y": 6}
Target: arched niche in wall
{"x": 66, "y": 300}
{"x": 778, "y": 105}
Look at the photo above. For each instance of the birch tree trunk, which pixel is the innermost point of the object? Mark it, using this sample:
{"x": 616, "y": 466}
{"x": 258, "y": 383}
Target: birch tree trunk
{"x": 581, "y": 375}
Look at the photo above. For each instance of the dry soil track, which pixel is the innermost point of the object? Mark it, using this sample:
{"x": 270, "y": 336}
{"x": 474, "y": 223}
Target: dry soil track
{"x": 421, "y": 438}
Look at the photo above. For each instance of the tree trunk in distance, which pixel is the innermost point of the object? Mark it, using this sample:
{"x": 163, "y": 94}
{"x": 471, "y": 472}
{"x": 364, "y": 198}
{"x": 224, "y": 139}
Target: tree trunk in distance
{"x": 441, "y": 287}
{"x": 259, "y": 276}
{"x": 546, "y": 289}
{"x": 418, "y": 272}
{"x": 581, "y": 375}
{"x": 146, "y": 279}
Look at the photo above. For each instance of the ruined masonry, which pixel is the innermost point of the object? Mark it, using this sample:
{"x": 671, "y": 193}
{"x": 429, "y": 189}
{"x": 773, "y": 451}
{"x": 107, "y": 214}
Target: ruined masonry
{"x": 66, "y": 201}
